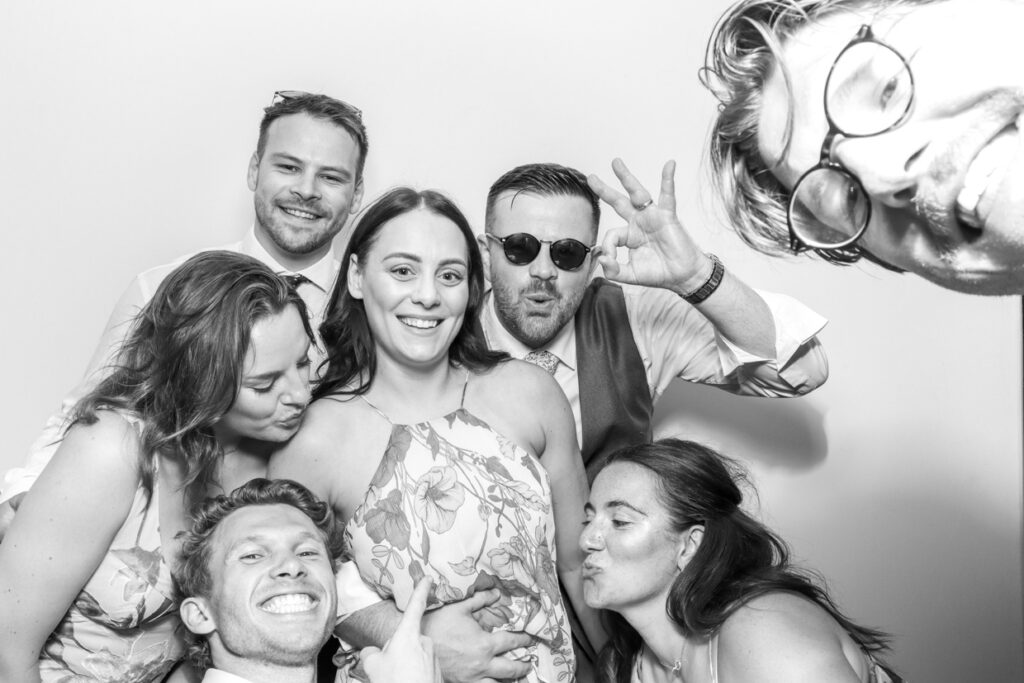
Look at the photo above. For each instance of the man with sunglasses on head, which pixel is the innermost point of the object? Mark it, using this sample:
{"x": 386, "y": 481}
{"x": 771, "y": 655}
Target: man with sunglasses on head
{"x": 306, "y": 176}
{"x": 615, "y": 348}
{"x": 851, "y": 129}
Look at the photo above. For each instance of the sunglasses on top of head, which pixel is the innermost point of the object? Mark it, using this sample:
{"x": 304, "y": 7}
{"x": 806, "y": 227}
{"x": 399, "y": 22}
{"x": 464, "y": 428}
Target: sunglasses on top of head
{"x": 521, "y": 249}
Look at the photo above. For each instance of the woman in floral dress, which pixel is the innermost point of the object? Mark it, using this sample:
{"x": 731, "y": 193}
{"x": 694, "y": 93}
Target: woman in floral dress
{"x": 212, "y": 374}
{"x": 444, "y": 458}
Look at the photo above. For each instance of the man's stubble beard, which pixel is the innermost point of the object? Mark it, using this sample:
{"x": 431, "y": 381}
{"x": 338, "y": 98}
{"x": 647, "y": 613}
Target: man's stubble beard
{"x": 305, "y": 242}
{"x": 534, "y": 330}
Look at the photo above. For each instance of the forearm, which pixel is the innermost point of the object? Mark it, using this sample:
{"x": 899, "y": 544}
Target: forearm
{"x": 736, "y": 311}
{"x": 371, "y": 625}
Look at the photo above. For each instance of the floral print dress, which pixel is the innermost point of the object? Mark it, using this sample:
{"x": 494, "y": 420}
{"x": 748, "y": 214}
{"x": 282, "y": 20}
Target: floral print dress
{"x": 124, "y": 626}
{"x": 456, "y": 500}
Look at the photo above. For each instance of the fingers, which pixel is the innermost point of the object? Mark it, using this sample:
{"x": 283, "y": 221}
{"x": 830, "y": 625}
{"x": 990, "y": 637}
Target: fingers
{"x": 667, "y": 200}
{"x": 616, "y": 200}
{"x": 410, "y": 623}
{"x": 504, "y": 668}
{"x": 638, "y": 194}
{"x": 479, "y": 600}
{"x": 504, "y": 641}
{"x": 613, "y": 239}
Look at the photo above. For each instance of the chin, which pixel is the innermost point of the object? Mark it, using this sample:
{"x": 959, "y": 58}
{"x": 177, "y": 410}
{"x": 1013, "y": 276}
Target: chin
{"x": 593, "y": 597}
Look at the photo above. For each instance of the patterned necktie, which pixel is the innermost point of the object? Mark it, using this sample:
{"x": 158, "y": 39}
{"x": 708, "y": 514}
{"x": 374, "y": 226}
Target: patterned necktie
{"x": 296, "y": 280}
{"x": 543, "y": 359}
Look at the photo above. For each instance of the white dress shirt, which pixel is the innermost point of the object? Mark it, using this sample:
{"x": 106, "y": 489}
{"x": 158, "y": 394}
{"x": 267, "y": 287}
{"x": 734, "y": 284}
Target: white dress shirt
{"x": 218, "y": 676}
{"x": 316, "y": 293}
{"x": 675, "y": 340}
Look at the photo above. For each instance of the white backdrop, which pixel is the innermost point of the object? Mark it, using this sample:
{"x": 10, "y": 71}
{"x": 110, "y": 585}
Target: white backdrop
{"x": 126, "y": 128}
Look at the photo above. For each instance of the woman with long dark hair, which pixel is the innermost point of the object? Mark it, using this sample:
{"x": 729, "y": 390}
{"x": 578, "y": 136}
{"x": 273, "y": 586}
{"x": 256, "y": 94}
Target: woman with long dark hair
{"x": 443, "y": 458}
{"x": 212, "y": 375}
{"x": 696, "y": 590}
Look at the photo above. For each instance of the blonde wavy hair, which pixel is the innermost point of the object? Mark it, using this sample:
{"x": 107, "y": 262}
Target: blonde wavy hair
{"x": 742, "y": 52}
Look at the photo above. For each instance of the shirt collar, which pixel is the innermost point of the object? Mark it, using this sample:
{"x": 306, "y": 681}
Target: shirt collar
{"x": 323, "y": 273}
{"x": 219, "y": 676}
{"x": 563, "y": 345}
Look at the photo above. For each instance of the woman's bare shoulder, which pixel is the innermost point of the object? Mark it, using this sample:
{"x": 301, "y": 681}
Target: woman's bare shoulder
{"x": 783, "y": 636}
{"x": 520, "y": 379}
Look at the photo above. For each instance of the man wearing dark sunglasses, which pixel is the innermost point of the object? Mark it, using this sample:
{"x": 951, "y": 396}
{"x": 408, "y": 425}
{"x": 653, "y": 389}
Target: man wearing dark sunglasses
{"x": 614, "y": 349}
{"x": 850, "y": 129}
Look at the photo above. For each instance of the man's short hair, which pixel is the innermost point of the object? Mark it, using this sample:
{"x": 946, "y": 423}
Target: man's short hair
{"x": 545, "y": 180}
{"x": 339, "y": 113}
{"x": 194, "y": 578}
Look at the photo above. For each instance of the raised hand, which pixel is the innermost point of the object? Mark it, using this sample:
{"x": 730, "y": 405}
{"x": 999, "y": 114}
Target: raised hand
{"x": 407, "y": 657}
{"x": 660, "y": 252}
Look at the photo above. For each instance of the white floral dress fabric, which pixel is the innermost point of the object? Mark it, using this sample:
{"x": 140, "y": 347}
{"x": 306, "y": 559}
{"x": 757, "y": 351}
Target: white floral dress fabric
{"x": 456, "y": 500}
{"x": 124, "y": 626}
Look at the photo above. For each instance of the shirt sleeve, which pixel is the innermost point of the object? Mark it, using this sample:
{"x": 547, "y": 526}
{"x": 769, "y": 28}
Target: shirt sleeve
{"x": 353, "y": 593}
{"x": 675, "y": 340}
{"x": 20, "y": 479}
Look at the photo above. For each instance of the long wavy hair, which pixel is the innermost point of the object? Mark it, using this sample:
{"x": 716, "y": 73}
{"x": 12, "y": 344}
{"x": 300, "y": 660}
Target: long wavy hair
{"x": 742, "y": 52}
{"x": 181, "y": 364}
{"x": 351, "y": 350}
{"x": 738, "y": 558}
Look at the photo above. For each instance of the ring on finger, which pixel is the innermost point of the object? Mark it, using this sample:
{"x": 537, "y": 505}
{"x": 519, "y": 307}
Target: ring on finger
{"x": 643, "y": 206}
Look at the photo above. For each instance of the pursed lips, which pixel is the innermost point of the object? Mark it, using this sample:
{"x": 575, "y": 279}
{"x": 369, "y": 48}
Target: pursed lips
{"x": 291, "y": 419}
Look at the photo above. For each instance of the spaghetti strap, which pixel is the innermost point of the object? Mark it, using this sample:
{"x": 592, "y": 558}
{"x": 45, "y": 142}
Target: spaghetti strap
{"x": 713, "y": 658}
{"x": 376, "y": 409}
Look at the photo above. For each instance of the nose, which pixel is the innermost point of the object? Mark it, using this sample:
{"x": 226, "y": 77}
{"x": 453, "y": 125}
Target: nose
{"x": 299, "y": 392}
{"x": 889, "y": 165}
{"x": 542, "y": 267}
{"x": 591, "y": 538}
{"x": 289, "y": 566}
{"x": 305, "y": 186}
{"x": 425, "y": 294}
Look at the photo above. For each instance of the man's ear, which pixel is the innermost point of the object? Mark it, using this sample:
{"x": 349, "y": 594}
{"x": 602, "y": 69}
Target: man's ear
{"x": 485, "y": 255}
{"x": 254, "y": 171}
{"x": 357, "y": 198}
{"x": 689, "y": 543}
{"x": 355, "y": 278}
{"x": 594, "y": 254}
{"x": 197, "y": 616}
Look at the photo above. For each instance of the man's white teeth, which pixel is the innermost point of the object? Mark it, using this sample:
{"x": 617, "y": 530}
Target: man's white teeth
{"x": 289, "y": 604}
{"x": 421, "y": 323}
{"x": 299, "y": 213}
{"x": 993, "y": 157}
